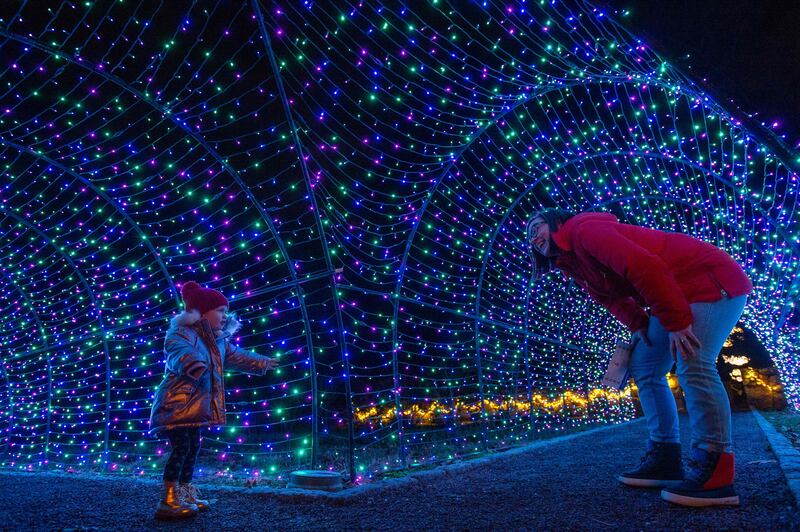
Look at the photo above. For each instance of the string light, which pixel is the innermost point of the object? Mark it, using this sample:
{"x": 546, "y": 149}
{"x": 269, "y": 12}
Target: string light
{"x": 356, "y": 179}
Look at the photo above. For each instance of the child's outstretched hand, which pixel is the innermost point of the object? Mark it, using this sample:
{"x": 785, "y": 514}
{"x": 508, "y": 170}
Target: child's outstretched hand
{"x": 271, "y": 363}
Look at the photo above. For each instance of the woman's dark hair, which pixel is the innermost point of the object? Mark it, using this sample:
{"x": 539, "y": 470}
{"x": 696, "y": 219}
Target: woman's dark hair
{"x": 554, "y": 218}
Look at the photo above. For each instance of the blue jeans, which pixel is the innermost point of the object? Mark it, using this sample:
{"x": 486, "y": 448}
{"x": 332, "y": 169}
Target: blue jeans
{"x": 706, "y": 399}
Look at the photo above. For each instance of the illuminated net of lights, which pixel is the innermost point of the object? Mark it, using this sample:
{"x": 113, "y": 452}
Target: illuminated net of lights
{"x": 356, "y": 178}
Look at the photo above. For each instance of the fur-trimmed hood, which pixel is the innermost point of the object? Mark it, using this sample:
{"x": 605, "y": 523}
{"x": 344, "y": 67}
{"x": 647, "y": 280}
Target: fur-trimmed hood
{"x": 187, "y": 318}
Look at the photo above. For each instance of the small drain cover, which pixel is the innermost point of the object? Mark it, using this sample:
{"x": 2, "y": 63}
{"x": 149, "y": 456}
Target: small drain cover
{"x": 310, "y": 479}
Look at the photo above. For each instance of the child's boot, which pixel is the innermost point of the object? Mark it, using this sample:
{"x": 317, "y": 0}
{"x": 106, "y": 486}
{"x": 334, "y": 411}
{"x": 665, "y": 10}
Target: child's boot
{"x": 171, "y": 505}
{"x": 191, "y": 495}
{"x": 709, "y": 481}
{"x": 660, "y": 467}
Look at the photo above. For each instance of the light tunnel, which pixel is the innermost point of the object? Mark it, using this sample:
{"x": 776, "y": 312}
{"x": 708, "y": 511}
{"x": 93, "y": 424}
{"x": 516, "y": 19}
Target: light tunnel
{"x": 356, "y": 178}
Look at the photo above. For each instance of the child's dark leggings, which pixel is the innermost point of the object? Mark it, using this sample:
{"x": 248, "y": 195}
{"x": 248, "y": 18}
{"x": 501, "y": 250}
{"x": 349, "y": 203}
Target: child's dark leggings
{"x": 185, "y": 443}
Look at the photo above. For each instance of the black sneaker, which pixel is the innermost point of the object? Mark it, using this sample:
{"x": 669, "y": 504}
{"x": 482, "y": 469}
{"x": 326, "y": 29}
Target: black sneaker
{"x": 660, "y": 467}
{"x": 709, "y": 481}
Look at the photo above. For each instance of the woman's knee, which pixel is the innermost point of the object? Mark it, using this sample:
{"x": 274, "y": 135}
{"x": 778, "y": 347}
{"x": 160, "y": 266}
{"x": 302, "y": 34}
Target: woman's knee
{"x": 696, "y": 368}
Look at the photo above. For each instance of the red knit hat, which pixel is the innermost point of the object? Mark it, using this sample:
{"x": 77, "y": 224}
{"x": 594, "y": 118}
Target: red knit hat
{"x": 195, "y": 297}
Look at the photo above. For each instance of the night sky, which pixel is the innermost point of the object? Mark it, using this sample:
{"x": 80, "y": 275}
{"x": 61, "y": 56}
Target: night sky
{"x": 744, "y": 51}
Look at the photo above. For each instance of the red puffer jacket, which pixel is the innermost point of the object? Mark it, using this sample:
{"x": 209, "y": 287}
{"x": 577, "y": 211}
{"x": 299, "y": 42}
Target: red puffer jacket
{"x": 627, "y": 267}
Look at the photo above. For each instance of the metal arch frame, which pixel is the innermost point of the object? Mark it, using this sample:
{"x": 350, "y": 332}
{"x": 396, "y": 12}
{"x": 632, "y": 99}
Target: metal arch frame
{"x": 94, "y": 302}
{"x": 10, "y": 404}
{"x": 410, "y": 241}
{"x": 323, "y": 241}
{"x": 424, "y": 207}
{"x": 220, "y": 160}
{"x": 49, "y": 369}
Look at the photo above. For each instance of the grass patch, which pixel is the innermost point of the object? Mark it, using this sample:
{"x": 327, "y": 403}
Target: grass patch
{"x": 787, "y": 422}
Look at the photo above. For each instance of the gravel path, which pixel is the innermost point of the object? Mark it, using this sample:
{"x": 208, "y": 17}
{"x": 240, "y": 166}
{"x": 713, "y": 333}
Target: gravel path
{"x": 568, "y": 485}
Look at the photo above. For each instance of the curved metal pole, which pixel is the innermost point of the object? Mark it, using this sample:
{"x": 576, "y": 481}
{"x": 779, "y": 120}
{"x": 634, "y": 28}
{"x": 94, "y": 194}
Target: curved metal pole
{"x": 457, "y": 155}
{"x": 481, "y": 398}
{"x": 526, "y": 354}
{"x": 439, "y": 179}
{"x": 49, "y": 367}
{"x": 10, "y": 407}
{"x": 312, "y": 198}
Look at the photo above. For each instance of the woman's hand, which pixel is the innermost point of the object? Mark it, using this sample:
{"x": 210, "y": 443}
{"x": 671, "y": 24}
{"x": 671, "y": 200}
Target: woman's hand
{"x": 271, "y": 363}
{"x": 684, "y": 342}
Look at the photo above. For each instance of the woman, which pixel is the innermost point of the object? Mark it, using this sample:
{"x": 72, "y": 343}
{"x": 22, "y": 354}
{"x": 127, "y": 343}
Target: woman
{"x": 695, "y": 294}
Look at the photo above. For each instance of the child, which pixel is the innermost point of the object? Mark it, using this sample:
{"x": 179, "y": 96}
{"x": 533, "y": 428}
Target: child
{"x": 192, "y": 394}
